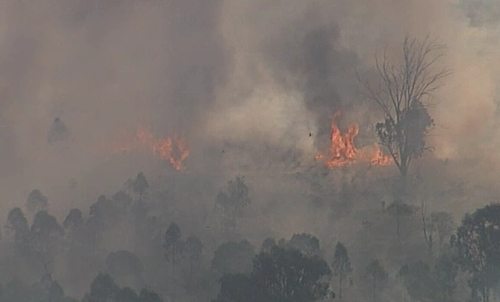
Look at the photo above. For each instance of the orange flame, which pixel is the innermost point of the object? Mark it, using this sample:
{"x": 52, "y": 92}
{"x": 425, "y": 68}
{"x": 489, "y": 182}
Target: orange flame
{"x": 174, "y": 150}
{"x": 380, "y": 158}
{"x": 343, "y": 152}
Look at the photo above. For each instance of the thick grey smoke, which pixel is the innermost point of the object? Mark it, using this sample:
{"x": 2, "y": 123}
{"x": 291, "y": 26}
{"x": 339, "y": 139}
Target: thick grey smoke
{"x": 104, "y": 68}
{"x": 250, "y": 83}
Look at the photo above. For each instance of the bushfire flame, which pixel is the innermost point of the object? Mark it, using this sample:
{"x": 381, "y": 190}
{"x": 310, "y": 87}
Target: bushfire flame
{"x": 343, "y": 151}
{"x": 379, "y": 158}
{"x": 172, "y": 149}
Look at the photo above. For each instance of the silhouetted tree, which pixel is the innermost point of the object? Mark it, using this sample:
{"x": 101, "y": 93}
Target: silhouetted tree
{"x": 56, "y": 293}
{"x": 267, "y": 245}
{"x": 122, "y": 201}
{"x": 232, "y": 202}
{"x": 80, "y": 244}
{"x": 36, "y": 202}
{"x": 126, "y": 294}
{"x": 193, "y": 249}
{"x": 103, "y": 213}
{"x": 173, "y": 245}
{"x": 149, "y": 296}
{"x": 140, "y": 185}
{"x": 23, "y": 238}
{"x": 58, "y": 132}
{"x": 399, "y": 210}
{"x": 285, "y": 274}
{"x": 16, "y": 221}
{"x": 419, "y": 281}
{"x": 341, "y": 265}
{"x": 477, "y": 243}
{"x": 378, "y": 276}
{"x": 427, "y": 232}
{"x": 305, "y": 243}
{"x": 288, "y": 275}
{"x": 45, "y": 227}
{"x": 173, "y": 242}
{"x": 47, "y": 233}
{"x": 403, "y": 94}
{"x": 446, "y": 271}
{"x": 237, "y": 287}
{"x": 233, "y": 257}
{"x": 426, "y": 284}
{"x": 124, "y": 263}
{"x": 441, "y": 223}
{"x": 102, "y": 289}
{"x": 139, "y": 211}
{"x": 74, "y": 220}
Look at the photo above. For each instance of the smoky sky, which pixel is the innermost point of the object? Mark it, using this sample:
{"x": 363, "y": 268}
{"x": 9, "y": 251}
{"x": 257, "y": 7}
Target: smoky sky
{"x": 261, "y": 76}
{"x": 481, "y": 13}
{"x": 105, "y": 66}
{"x": 252, "y": 85}
{"x": 310, "y": 58}
{"x": 197, "y": 59}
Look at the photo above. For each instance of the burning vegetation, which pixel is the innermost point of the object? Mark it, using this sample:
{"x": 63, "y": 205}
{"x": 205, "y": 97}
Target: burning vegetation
{"x": 343, "y": 151}
{"x": 172, "y": 149}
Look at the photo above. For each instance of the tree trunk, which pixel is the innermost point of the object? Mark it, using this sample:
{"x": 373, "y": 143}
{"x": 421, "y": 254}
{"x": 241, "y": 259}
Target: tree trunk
{"x": 486, "y": 294}
{"x": 397, "y": 226}
{"x": 374, "y": 289}
{"x": 340, "y": 287}
{"x": 403, "y": 166}
{"x": 404, "y": 170}
{"x": 403, "y": 182}
{"x": 173, "y": 270}
{"x": 428, "y": 239}
{"x": 190, "y": 278}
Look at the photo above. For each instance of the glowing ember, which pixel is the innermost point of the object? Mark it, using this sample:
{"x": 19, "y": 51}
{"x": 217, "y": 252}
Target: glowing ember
{"x": 343, "y": 152}
{"x": 174, "y": 150}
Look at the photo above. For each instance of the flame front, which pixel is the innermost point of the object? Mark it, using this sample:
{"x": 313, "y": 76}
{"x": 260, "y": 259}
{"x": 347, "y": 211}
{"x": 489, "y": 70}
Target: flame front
{"x": 172, "y": 149}
{"x": 343, "y": 152}
{"x": 380, "y": 158}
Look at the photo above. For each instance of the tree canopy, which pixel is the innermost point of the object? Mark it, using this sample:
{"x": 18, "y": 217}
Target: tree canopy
{"x": 284, "y": 274}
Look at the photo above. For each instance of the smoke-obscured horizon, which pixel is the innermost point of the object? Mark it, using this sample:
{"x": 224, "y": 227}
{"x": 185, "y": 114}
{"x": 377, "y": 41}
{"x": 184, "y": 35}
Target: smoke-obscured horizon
{"x": 251, "y": 84}
{"x": 94, "y": 92}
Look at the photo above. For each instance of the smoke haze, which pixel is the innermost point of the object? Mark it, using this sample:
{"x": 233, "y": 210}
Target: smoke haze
{"x": 257, "y": 74}
{"x": 252, "y": 85}
{"x": 251, "y": 73}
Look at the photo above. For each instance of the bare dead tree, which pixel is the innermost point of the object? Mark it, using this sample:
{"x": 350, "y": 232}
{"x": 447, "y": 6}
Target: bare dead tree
{"x": 403, "y": 93}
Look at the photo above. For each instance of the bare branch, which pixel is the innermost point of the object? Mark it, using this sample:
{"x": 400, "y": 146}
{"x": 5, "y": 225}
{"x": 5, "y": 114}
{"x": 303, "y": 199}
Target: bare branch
{"x": 403, "y": 88}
